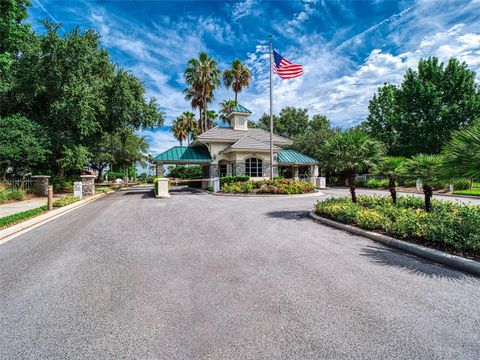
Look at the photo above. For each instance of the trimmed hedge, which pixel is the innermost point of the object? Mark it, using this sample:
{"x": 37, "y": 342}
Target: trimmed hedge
{"x": 233, "y": 179}
{"x": 276, "y": 186}
{"x": 64, "y": 201}
{"x": 24, "y": 215}
{"x": 448, "y": 225}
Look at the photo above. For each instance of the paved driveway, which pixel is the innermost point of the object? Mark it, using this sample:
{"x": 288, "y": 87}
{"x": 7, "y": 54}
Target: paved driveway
{"x": 204, "y": 277}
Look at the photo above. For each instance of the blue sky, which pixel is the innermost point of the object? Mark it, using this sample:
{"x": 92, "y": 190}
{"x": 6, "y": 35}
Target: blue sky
{"x": 348, "y": 48}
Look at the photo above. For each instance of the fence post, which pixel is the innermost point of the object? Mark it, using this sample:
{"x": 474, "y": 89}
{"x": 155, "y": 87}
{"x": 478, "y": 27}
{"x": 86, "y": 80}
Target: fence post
{"x": 50, "y": 197}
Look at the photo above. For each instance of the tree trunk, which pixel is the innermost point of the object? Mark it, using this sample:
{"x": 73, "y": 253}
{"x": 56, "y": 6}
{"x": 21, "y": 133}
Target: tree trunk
{"x": 352, "y": 183}
{"x": 428, "y": 192}
{"x": 393, "y": 190}
{"x": 235, "y": 98}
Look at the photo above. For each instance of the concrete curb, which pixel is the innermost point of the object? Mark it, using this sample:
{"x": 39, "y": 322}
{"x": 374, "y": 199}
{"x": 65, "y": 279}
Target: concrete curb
{"x": 441, "y": 257}
{"x": 23, "y": 227}
{"x": 317, "y": 193}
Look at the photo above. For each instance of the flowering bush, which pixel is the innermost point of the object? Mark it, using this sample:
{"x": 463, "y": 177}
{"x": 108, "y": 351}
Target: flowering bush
{"x": 276, "y": 186}
{"x": 448, "y": 224}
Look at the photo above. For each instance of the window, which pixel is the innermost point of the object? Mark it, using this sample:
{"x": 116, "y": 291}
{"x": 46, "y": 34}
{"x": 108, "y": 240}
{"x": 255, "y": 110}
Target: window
{"x": 223, "y": 170}
{"x": 253, "y": 167}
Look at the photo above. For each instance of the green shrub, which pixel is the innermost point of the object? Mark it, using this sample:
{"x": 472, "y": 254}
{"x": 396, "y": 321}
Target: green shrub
{"x": 448, "y": 223}
{"x": 62, "y": 183}
{"x": 16, "y": 194}
{"x": 185, "y": 172}
{"x": 276, "y": 186}
{"x": 66, "y": 200}
{"x": 233, "y": 179}
{"x": 24, "y": 215}
{"x": 12, "y": 194}
{"x": 373, "y": 183}
{"x": 155, "y": 185}
{"x": 113, "y": 175}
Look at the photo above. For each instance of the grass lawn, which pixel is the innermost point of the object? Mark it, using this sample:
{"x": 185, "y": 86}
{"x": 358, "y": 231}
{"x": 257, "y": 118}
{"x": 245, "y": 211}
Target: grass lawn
{"x": 21, "y": 216}
{"x": 475, "y": 192}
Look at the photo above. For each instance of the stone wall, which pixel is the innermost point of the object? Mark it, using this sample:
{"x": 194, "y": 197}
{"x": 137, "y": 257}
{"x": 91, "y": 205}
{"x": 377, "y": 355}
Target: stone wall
{"x": 40, "y": 185}
{"x": 266, "y": 169}
{"x": 213, "y": 170}
{"x": 240, "y": 168}
{"x": 88, "y": 185}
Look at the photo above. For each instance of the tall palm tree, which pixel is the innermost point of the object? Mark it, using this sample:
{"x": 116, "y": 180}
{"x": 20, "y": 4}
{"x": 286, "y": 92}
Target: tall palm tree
{"x": 351, "y": 152}
{"x": 226, "y": 107}
{"x": 211, "y": 117}
{"x": 426, "y": 169}
{"x": 203, "y": 77}
{"x": 179, "y": 129}
{"x": 390, "y": 167}
{"x": 237, "y": 77}
{"x": 190, "y": 125}
{"x": 462, "y": 155}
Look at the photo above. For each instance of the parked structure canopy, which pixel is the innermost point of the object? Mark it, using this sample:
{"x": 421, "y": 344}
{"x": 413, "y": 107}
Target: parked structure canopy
{"x": 292, "y": 157}
{"x": 182, "y": 155}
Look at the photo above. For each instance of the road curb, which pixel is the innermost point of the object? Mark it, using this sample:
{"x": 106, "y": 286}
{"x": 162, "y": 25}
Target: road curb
{"x": 441, "y": 257}
{"x": 23, "y": 227}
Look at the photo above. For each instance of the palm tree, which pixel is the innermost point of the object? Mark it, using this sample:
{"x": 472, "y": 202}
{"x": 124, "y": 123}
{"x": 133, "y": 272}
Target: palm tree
{"x": 237, "y": 77}
{"x": 226, "y": 107}
{"x": 211, "y": 117}
{"x": 351, "y": 152}
{"x": 462, "y": 155}
{"x": 190, "y": 124}
{"x": 203, "y": 77}
{"x": 180, "y": 131}
{"x": 390, "y": 167}
{"x": 426, "y": 169}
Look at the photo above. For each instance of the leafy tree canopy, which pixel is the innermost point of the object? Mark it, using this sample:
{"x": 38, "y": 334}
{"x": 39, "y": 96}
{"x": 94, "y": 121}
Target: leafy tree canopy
{"x": 420, "y": 115}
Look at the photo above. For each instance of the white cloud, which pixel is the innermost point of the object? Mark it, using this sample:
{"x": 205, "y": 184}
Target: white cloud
{"x": 242, "y": 8}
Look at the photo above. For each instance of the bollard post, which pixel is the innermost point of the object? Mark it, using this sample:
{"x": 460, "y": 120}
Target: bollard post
{"x": 50, "y": 197}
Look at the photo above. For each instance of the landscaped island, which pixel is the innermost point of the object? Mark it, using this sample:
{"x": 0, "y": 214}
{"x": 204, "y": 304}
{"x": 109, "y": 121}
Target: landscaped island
{"x": 243, "y": 184}
{"x": 448, "y": 226}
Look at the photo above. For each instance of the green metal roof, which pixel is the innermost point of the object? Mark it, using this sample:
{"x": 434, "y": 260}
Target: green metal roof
{"x": 185, "y": 154}
{"x": 293, "y": 157}
{"x": 240, "y": 109}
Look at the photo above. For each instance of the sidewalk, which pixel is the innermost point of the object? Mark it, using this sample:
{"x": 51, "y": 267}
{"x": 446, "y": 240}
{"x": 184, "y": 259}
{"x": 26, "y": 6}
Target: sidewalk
{"x": 9, "y": 209}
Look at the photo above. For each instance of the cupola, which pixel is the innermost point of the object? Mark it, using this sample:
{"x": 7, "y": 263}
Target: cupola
{"x": 238, "y": 117}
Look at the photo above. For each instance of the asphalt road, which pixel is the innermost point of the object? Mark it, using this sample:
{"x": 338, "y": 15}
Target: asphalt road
{"x": 204, "y": 277}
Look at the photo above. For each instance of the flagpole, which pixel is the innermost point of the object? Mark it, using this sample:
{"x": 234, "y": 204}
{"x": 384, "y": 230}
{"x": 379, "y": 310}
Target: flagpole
{"x": 271, "y": 113}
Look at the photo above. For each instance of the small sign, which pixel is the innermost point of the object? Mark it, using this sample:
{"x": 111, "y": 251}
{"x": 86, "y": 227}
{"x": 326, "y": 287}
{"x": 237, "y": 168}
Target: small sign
{"x": 77, "y": 189}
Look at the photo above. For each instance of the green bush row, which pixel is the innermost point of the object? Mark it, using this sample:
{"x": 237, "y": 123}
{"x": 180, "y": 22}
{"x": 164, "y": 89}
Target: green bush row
{"x": 24, "y": 215}
{"x": 66, "y": 200}
{"x": 233, "y": 179}
{"x": 448, "y": 223}
{"x": 11, "y": 194}
{"x": 276, "y": 186}
{"x": 373, "y": 183}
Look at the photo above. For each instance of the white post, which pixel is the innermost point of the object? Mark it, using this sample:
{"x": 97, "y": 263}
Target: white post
{"x": 77, "y": 189}
{"x": 216, "y": 185}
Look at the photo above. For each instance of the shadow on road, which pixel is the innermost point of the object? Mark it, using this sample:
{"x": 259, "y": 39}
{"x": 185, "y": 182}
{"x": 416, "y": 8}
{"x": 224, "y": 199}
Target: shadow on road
{"x": 413, "y": 264}
{"x": 288, "y": 214}
{"x": 185, "y": 190}
{"x": 144, "y": 191}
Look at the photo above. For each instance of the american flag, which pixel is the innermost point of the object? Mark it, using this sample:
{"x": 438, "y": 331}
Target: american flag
{"x": 285, "y": 68}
